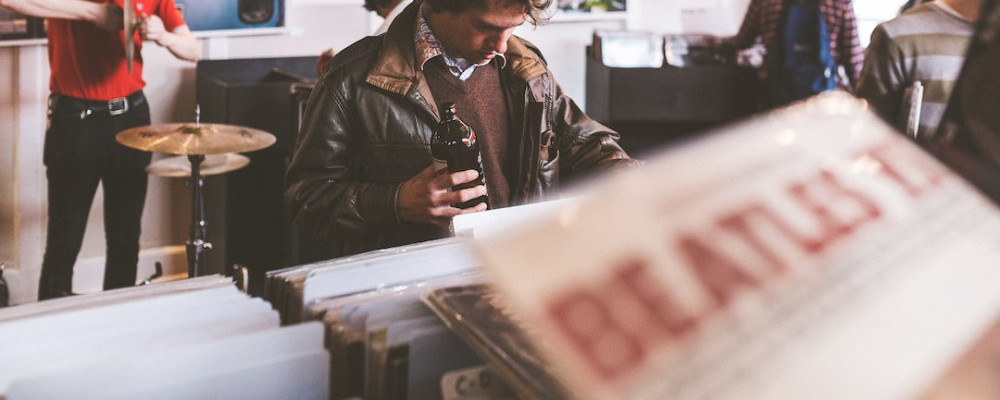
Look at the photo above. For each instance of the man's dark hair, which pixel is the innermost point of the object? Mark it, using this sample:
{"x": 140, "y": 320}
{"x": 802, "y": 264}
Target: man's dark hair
{"x": 371, "y": 5}
{"x": 537, "y": 10}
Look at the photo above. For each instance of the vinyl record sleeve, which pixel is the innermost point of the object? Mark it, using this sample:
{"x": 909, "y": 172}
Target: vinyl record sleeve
{"x": 820, "y": 254}
{"x": 381, "y": 316}
{"x": 392, "y": 381}
{"x": 293, "y": 290}
{"x": 432, "y": 354}
{"x": 115, "y": 296}
{"x": 285, "y": 363}
{"x": 345, "y": 338}
{"x": 110, "y": 332}
{"x": 477, "y": 316}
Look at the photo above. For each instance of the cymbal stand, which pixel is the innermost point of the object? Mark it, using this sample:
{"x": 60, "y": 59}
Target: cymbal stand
{"x": 199, "y": 227}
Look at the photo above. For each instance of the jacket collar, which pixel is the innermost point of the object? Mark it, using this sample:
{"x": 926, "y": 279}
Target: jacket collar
{"x": 396, "y": 70}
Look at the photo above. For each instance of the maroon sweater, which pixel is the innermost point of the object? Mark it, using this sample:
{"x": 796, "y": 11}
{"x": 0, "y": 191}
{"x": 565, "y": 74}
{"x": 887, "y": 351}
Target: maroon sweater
{"x": 480, "y": 103}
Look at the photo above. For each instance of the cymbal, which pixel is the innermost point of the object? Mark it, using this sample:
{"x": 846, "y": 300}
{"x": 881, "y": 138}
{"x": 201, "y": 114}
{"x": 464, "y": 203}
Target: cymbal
{"x": 187, "y": 139}
{"x": 180, "y": 166}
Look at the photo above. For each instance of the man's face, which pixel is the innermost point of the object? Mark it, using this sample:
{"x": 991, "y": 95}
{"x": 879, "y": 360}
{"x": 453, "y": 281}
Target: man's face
{"x": 476, "y": 34}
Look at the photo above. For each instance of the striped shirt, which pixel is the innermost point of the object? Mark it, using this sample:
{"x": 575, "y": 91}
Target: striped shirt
{"x": 763, "y": 17}
{"x": 926, "y": 44}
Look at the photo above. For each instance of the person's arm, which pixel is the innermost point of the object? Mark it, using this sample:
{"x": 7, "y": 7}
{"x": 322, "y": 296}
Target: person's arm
{"x": 181, "y": 43}
{"x": 849, "y": 45}
{"x": 882, "y": 79}
{"x": 584, "y": 145}
{"x": 107, "y": 16}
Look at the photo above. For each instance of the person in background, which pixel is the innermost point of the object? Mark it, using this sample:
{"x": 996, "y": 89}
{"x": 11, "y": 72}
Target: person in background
{"x": 762, "y": 21}
{"x": 387, "y": 9}
{"x": 361, "y": 176}
{"x": 926, "y": 44}
{"x": 93, "y": 97}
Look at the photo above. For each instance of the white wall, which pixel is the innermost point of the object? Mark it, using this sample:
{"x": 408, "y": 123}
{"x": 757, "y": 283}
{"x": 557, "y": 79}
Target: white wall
{"x": 872, "y": 12}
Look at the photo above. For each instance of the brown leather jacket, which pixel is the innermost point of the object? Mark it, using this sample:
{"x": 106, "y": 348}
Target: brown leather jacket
{"x": 367, "y": 129}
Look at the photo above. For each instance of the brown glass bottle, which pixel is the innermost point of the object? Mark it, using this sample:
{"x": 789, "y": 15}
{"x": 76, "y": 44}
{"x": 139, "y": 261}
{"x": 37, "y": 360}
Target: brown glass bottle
{"x": 454, "y": 149}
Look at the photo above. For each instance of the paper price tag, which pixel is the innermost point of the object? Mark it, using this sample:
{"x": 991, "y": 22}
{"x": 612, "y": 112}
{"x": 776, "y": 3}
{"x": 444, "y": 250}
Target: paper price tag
{"x": 476, "y": 383}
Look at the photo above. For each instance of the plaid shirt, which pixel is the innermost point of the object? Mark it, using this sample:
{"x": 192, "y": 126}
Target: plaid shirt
{"x": 763, "y": 17}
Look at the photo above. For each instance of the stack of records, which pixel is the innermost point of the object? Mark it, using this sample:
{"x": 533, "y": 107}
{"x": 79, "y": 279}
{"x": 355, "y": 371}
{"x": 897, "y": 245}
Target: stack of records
{"x": 384, "y": 342}
{"x": 482, "y": 320}
{"x": 197, "y": 338}
{"x": 293, "y": 289}
{"x": 387, "y": 344}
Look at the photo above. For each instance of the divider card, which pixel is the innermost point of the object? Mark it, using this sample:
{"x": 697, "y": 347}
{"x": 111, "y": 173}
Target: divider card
{"x": 810, "y": 253}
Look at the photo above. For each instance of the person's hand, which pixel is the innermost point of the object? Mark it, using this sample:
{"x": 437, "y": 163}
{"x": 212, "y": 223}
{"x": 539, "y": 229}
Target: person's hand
{"x": 426, "y": 198}
{"x": 152, "y": 29}
{"x": 109, "y": 17}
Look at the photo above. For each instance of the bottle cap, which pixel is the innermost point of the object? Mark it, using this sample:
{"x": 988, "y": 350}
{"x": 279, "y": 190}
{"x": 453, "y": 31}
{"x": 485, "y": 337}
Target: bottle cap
{"x": 447, "y": 110}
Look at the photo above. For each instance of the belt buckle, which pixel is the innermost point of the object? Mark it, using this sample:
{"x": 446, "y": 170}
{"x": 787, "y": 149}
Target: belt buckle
{"x": 118, "y": 106}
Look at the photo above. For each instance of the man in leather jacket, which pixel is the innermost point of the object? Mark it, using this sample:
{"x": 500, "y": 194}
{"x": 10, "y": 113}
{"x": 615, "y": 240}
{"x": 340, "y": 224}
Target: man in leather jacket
{"x": 361, "y": 175}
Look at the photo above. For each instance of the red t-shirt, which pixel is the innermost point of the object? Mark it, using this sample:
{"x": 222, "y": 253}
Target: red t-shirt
{"x": 88, "y": 62}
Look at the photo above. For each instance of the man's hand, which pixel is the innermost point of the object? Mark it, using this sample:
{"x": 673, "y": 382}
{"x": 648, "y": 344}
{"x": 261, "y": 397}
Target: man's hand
{"x": 152, "y": 29}
{"x": 109, "y": 17}
{"x": 426, "y": 198}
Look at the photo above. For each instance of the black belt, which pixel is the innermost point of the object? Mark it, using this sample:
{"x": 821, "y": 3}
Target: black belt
{"x": 87, "y": 108}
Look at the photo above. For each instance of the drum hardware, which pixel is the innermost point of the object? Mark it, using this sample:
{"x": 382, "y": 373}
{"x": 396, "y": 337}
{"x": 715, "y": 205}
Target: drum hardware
{"x": 4, "y": 289}
{"x": 196, "y": 142}
{"x": 180, "y": 167}
{"x": 157, "y": 274}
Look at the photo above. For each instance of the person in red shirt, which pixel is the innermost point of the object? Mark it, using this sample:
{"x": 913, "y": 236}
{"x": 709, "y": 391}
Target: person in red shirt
{"x": 93, "y": 97}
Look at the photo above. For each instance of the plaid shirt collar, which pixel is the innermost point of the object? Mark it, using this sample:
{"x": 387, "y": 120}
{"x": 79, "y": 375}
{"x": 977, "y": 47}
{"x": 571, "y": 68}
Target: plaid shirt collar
{"x": 428, "y": 47}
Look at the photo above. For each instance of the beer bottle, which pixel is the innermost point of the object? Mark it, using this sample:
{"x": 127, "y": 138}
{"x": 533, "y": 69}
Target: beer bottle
{"x": 454, "y": 149}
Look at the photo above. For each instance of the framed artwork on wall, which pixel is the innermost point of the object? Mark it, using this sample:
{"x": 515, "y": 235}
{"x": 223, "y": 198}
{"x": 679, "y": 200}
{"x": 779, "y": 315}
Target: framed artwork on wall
{"x": 207, "y": 15}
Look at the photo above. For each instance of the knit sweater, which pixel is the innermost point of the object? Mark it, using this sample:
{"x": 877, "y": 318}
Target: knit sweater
{"x": 480, "y": 104}
{"x": 927, "y": 44}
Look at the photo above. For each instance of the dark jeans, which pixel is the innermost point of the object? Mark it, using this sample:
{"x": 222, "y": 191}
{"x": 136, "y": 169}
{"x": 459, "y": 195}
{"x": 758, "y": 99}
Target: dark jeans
{"x": 80, "y": 152}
